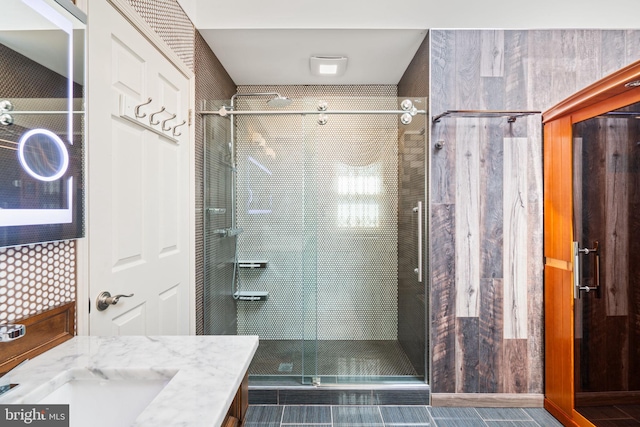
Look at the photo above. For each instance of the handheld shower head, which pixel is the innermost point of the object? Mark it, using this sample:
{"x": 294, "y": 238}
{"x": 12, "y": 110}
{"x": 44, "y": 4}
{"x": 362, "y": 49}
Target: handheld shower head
{"x": 279, "y": 102}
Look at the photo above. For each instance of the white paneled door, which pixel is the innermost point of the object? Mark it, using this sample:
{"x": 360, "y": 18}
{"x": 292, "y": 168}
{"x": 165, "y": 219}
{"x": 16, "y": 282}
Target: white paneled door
{"x": 138, "y": 181}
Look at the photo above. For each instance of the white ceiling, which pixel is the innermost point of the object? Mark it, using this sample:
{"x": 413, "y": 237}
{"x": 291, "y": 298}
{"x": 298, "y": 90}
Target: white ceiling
{"x": 270, "y": 41}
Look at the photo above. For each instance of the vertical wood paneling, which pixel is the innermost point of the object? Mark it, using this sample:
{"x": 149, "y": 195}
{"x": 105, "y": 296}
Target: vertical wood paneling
{"x": 467, "y": 76}
{"x": 539, "y": 68}
{"x": 563, "y": 51}
{"x": 535, "y": 258}
{"x": 516, "y": 369}
{"x": 614, "y": 52}
{"x": 588, "y": 57}
{"x": 467, "y": 356}
{"x": 467, "y": 218}
{"x": 632, "y": 38}
{"x": 491, "y": 195}
{"x": 617, "y": 228}
{"x": 491, "y": 366}
{"x": 515, "y": 247}
{"x": 443, "y": 313}
{"x": 492, "y": 53}
{"x": 443, "y": 177}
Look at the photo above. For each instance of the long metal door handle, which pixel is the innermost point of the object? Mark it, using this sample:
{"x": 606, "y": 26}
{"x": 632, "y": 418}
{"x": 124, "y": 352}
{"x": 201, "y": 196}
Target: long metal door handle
{"x": 418, "y": 209}
{"x": 577, "y": 267}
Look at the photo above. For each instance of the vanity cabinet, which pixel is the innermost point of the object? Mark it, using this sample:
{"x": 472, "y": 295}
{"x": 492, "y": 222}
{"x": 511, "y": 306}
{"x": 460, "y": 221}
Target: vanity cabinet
{"x": 238, "y": 409}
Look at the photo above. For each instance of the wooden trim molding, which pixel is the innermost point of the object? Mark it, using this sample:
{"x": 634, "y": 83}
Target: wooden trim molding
{"x": 44, "y": 331}
{"x": 608, "y": 87}
{"x": 488, "y": 400}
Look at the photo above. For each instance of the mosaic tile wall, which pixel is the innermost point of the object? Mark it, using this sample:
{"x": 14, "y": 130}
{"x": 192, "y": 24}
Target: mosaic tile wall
{"x": 355, "y": 229}
{"x": 167, "y": 18}
{"x": 215, "y": 306}
{"x": 35, "y": 278}
{"x": 413, "y": 297}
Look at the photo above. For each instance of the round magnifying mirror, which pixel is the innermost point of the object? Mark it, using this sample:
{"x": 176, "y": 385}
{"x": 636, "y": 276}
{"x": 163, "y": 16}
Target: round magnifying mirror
{"x": 43, "y": 155}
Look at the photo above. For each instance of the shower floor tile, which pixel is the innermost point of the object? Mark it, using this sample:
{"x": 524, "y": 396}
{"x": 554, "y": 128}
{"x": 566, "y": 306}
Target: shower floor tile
{"x": 334, "y": 358}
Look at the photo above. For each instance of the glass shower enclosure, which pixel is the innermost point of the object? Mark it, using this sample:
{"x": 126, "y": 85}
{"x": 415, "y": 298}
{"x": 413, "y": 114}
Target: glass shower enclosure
{"x": 315, "y": 235}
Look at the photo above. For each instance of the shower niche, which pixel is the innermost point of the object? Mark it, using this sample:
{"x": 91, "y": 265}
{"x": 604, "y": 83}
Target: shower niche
{"x": 325, "y": 202}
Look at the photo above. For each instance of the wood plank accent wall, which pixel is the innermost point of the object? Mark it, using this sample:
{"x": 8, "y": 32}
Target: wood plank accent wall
{"x": 487, "y": 196}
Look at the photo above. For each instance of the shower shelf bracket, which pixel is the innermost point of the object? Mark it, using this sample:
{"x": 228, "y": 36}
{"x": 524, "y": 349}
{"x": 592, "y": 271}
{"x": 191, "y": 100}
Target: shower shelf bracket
{"x": 510, "y": 115}
{"x": 251, "y": 295}
{"x": 262, "y": 263}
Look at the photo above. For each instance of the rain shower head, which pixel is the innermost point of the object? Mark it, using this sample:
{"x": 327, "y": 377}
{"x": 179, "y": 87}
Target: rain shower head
{"x": 279, "y": 102}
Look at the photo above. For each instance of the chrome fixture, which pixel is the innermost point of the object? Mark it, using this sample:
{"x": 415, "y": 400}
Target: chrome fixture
{"x": 418, "y": 210}
{"x": 261, "y": 263}
{"x": 184, "y": 122}
{"x": 279, "y": 102}
{"x": 157, "y": 122}
{"x": 137, "y": 109}
{"x": 228, "y": 232}
{"x": 5, "y": 385}
{"x": 6, "y": 119}
{"x": 322, "y": 119}
{"x": 164, "y": 123}
{"x": 105, "y": 300}
{"x": 439, "y": 145}
{"x": 6, "y": 105}
{"x": 406, "y": 118}
{"x": 251, "y": 295}
{"x": 10, "y": 332}
{"x": 577, "y": 267}
{"x": 510, "y": 115}
{"x": 322, "y": 105}
{"x": 406, "y": 105}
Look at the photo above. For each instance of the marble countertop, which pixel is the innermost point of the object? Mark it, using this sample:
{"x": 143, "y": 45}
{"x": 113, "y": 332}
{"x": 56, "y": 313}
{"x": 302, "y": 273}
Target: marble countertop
{"x": 203, "y": 373}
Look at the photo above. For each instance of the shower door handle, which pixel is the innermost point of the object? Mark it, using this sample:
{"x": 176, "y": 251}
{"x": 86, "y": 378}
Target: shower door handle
{"x": 418, "y": 270}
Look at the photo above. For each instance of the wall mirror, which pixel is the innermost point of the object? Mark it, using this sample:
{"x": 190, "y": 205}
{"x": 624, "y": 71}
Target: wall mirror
{"x": 42, "y": 64}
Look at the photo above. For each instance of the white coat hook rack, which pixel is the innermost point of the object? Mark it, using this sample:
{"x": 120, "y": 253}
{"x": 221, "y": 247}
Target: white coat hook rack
{"x": 129, "y": 110}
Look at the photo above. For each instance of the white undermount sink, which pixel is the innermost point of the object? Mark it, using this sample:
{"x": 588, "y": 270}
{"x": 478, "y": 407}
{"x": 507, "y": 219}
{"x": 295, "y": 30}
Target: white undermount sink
{"x": 106, "y": 399}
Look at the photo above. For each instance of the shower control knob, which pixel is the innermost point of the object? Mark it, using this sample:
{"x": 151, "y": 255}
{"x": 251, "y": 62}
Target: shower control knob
{"x": 416, "y": 270}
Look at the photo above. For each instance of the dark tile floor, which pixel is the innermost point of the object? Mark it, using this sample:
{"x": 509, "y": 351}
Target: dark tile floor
{"x": 395, "y": 416}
